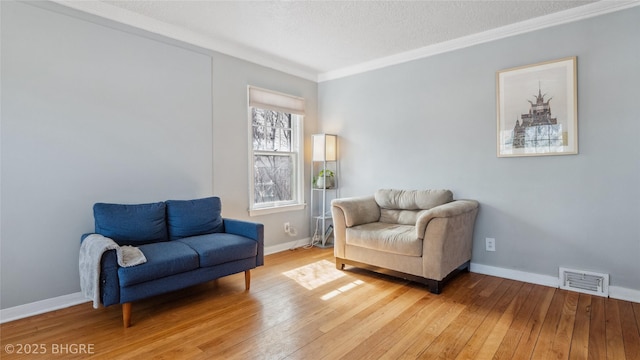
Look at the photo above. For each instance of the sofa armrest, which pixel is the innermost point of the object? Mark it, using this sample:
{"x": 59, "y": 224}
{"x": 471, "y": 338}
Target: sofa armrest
{"x": 450, "y": 209}
{"x": 251, "y": 230}
{"x": 109, "y": 279}
{"x": 358, "y": 210}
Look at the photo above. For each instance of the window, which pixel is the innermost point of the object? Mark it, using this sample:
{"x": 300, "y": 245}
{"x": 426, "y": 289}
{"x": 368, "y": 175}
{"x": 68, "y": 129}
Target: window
{"x": 276, "y": 143}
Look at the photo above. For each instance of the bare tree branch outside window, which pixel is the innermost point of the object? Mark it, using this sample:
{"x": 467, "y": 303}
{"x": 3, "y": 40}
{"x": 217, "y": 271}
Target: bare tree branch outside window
{"x": 274, "y": 163}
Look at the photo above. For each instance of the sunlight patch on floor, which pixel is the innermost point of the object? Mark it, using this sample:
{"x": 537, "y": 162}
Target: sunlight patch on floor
{"x": 315, "y": 275}
{"x": 341, "y": 290}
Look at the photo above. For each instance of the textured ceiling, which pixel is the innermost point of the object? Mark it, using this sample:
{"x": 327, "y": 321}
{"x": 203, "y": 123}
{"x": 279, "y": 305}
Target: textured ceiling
{"x": 323, "y": 36}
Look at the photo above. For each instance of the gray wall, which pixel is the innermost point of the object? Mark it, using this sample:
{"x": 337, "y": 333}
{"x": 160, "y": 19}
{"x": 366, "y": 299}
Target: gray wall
{"x": 431, "y": 123}
{"x": 231, "y": 77}
{"x": 93, "y": 111}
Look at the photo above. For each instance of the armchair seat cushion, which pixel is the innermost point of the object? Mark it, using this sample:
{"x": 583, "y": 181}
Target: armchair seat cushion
{"x": 390, "y": 238}
{"x": 163, "y": 259}
{"x": 220, "y": 248}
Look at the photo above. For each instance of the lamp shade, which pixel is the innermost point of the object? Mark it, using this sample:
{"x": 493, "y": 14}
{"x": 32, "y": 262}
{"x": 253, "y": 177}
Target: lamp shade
{"x": 325, "y": 147}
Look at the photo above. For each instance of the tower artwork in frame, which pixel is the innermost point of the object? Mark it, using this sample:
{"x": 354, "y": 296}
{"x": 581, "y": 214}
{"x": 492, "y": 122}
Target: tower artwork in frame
{"x": 537, "y": 108}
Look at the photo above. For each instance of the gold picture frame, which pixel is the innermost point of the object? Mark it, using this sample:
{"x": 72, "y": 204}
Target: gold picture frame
{"x": 537, "y": 109}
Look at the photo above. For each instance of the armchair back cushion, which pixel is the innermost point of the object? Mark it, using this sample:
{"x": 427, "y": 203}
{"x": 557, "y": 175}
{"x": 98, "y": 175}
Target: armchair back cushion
{"x": 405, "y": 206}
{"x": 131, "y": 224}
{"x": 187, "y": 218}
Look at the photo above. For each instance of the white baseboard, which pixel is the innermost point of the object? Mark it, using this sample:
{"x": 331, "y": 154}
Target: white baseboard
{"x": 528, "y": 277}
{"x": 268, "y": 250}
{"x": 64, "y": 301}
{"x": 626, "y": 294}
{"x": 615, "y": 292}
{"x": 41, "y": 307}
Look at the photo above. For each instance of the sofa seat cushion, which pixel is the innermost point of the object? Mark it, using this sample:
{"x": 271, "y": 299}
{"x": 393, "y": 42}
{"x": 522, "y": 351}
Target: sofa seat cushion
{"x": 163, "y": 259}
{"x": 220, "y": 248}
{"x": 391, "y": 238}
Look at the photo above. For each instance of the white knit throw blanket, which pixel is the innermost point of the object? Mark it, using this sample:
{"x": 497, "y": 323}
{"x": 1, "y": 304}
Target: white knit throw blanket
{"x": 91, "y": 251}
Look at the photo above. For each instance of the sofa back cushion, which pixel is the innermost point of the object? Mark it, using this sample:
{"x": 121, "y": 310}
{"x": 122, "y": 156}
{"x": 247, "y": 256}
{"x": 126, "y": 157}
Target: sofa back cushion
{"x": 194, "y": 217}
{"x": 131, "y": 224}
{"x": 405, "y": 206}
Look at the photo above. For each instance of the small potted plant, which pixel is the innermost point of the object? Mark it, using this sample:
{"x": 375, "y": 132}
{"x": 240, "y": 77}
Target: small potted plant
{"x": 324, "y": 180}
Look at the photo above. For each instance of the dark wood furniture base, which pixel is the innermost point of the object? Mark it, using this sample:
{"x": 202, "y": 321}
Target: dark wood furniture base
{"x": 435, "y": 286}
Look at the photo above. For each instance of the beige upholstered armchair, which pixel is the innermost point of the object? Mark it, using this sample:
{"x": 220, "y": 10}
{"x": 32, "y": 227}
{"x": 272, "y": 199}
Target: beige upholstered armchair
{"x": 420, "y": 235}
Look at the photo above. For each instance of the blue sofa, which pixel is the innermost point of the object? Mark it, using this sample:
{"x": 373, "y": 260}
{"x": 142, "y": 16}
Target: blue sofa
{"x": 185, "y": 242}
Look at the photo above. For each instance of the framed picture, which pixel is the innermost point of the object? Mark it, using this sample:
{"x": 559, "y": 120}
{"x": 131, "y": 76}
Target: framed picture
{"x": 537, "y": 109}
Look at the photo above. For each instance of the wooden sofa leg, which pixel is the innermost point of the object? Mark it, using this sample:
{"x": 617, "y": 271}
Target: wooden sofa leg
{"x": 126, "y": 314}
{"x": 247, "y": 279}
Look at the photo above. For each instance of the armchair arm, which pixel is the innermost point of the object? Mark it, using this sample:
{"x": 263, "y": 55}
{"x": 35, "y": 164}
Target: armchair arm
{"x": 350, "y": 212}
{"x": 447, "y": 231}
{"x": 251, "y": 230}
{"x": 358, "y": 210}
{"x": 450, "y": 209}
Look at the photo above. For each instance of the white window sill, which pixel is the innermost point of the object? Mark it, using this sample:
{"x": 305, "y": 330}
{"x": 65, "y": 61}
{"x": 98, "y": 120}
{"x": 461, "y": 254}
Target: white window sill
{"x": 278, "y": 209}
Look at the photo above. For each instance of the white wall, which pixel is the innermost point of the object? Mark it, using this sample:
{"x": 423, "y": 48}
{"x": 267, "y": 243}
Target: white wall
{"x": 431, "y": 123}
{"x": 93, "y": 111}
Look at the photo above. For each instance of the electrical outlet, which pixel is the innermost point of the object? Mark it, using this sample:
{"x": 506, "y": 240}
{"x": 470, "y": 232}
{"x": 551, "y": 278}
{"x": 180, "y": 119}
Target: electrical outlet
{"x": 490, "y": 244}
{"x": 287, "y": 227}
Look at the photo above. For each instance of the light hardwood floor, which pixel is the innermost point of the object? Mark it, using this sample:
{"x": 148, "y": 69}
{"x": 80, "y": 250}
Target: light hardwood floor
{"x": 301, "y": 307}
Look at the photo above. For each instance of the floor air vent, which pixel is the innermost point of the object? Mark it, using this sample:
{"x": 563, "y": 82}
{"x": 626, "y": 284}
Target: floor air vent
{"x": 584, "y": 281}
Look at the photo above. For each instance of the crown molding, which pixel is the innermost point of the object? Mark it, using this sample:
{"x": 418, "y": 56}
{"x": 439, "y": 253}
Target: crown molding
{"x": 135, "y": 20}
{"x": 562, "y": 17}
{"x": 145, "y": 23}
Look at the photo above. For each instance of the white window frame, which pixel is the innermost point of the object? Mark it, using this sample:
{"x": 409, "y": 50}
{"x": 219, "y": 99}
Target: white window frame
{"x": 271, "y": 100}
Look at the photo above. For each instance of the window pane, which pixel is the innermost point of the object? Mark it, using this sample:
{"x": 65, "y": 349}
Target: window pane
{"x": 257, "y": 116}
{"x": 282, "y": 140}
{"x": 259, "y": 138}
{"x": 273, "y": 178}
{"x": 271, "y": 130}
{"x": 283, "y": 120}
